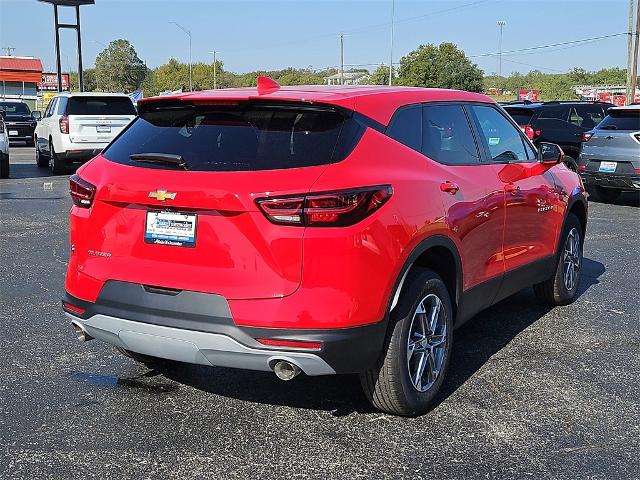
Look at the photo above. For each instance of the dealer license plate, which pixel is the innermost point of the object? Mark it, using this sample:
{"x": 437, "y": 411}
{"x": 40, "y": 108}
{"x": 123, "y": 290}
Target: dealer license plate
{"x": 171, "y": 228}
{"x": 103, "y": 128}
{"x": 13, "y": 133}
{"x": 608, "y": 167}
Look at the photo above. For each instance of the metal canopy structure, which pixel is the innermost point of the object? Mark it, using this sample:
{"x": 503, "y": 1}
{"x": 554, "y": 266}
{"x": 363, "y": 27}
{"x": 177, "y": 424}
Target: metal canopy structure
{"x": 74, "y": 26}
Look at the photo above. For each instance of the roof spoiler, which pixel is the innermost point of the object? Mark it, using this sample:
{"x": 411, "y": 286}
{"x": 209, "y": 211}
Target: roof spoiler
{"x": 266, "y": 85}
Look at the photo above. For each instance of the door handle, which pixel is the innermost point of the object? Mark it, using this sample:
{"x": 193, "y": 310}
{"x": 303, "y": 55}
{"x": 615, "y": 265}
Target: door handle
{"x": 450, "y": 187}
{"x": 511, "y": 188}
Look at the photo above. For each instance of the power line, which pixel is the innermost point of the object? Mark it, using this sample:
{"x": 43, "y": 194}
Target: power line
{"x": 551, "y": 45}
{"x": 356, "y": 31}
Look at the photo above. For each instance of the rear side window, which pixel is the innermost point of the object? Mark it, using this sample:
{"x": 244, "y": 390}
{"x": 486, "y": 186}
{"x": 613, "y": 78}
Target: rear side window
{"x": 621, "y": 120}
{"x": 100, "y": 106}
{"x": 502, "y": 138}
{"x": 586, "y": 116}
{"x": 239, "y": 138}
{"x": 522, "y": 116}
{"x": 559, "y": 112}
{"x": 406, "y": 127}
{"x": 447, "y": 137}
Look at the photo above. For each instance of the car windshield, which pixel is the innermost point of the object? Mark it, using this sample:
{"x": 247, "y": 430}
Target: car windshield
{"x": 522, "y": 116}
{"x": 236, "y": 138}
{"x": 100, "y": 106}
{"x": 621, "y": 120}
{"x": 15, "y": 108}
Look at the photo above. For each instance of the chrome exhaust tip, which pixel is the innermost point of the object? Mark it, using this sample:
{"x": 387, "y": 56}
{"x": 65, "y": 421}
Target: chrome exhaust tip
{"x": 80, "y": 333}
{"x": 286, "y": 370}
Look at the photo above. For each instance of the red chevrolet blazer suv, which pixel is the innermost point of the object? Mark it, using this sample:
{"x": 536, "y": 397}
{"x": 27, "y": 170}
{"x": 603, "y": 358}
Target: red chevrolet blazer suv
{"x": 320, "y": 230}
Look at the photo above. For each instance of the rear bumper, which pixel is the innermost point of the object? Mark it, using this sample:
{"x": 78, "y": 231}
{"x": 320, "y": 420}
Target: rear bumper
{"x": 80, "y": 156}
{"x": 611, "y": 180}
{"x": 198, "y": 328}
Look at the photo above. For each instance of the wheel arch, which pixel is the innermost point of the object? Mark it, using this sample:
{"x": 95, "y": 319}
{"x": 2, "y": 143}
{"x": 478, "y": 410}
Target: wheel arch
{"x": 440, "y": 254}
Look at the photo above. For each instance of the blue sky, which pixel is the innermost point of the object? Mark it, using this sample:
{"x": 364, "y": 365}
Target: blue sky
{"x": 253, "y": 35}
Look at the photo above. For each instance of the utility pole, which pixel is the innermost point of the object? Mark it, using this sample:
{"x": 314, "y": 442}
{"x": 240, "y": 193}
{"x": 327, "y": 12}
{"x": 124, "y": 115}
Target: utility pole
{"x": 634, "y": 69}
{"x": 501, "y": 24}
{"x": 393, "y": 8}
{"x": 341, "y": 58}
{"x": 8, "y": 50}
{"x": 188, "y": 32}
{"x": 215, "y": 84}
{"x": 629, "y": 95}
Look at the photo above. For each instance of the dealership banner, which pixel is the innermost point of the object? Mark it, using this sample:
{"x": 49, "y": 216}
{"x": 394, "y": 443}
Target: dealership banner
{"x": 530, "y": 95}
{"x": 50, "y": 82}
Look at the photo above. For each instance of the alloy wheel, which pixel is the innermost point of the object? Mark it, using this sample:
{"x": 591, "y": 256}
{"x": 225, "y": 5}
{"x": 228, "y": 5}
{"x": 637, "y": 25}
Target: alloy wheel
{"x": 427, "y": 343}
{"x": 571, "y": 259}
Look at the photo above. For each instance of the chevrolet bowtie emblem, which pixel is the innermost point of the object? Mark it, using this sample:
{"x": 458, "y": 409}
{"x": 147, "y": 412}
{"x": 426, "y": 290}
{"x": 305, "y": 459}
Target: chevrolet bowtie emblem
{"x": 162, "y": 195}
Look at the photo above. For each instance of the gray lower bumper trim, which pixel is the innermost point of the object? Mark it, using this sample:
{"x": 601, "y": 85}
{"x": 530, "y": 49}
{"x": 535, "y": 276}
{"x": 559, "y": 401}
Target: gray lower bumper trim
{"x": 192, "y": 346}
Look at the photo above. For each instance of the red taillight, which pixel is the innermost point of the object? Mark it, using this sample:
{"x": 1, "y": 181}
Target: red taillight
{"x": 81, "y": 191}
{"x": 332, "y": 209}
{"x": 73, "y": 308}
{"x": 586, "y": 136}
{"x": 530, "y": 132}
{"x": 270, "y": 342}
{"x": 64, "y": 124}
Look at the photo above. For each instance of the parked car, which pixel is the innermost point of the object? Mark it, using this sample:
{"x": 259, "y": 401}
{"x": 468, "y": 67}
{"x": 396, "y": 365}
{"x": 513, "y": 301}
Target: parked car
{"x": 610, "y": 159}
{"x": 76, "y": 127}
{"x": 320, "y": 230}
{"x": 562, "y": 123}
{"x": 4, "y": 148}
{"x": 19, "y": 120}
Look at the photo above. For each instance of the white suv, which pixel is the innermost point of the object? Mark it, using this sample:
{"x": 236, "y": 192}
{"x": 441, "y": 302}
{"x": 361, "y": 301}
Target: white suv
{"x": 4, "y": 148}
{"x": 77, "y": 126}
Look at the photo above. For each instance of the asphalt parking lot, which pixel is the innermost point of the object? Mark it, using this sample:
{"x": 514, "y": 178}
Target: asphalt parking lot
{"x": 531, "y": 393}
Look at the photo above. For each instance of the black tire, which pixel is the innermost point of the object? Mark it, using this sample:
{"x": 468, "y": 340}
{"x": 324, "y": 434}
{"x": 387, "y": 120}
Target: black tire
{"x": 556, "y": 290}
{"x": 603, "y": 195}
{"x": 4, "y": 165}
{"x": 57, "y": 165}
{"x": 146, "y": 360}
{"x": 389, "y": 385}
{"x": 571, "y": 163}
{"x": 41, "y": 160}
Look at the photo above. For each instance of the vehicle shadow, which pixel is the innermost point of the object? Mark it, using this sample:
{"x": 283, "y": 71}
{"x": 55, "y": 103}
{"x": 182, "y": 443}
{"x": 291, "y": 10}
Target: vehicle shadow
{"x": 25, "y": 170}
{"x": 475, "y": 343}
{"x": 627, "y": 199}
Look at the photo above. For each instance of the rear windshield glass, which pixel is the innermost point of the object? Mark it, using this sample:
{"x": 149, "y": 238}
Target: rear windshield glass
{"x": 100, "y": 106}
{"x": 15, "y": 108}
{"x": 621, "y": 120}
{"x": 244, "y": 137}
{"x": 522, "y": 116}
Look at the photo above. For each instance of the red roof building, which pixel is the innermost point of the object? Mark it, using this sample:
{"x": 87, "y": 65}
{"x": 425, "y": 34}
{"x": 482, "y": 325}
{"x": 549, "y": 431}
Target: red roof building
{"x": 19, "y": 77}
{"x": 20, "y": 69}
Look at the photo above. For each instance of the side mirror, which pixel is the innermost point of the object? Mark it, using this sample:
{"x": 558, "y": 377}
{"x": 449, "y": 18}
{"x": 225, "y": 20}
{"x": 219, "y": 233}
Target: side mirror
{"x": 550, "y": 154}
{"x": 36, "y": 115}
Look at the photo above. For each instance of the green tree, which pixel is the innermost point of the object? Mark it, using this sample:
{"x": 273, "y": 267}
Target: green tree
{"x": 118, "y": 68}
{"x": 89, "y": 78}
{"x": 442, "y": 66}
{"x": 380, "y": 76}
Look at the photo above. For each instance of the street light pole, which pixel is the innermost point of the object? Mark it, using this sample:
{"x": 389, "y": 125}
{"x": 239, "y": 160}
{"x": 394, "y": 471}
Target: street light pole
{"x": 501, "y": 24}
{"x": 188, "y": 32}
{"x": 393, "y": 8}
{"x": 214, "y": 70}
{"x": 341, "y": 58}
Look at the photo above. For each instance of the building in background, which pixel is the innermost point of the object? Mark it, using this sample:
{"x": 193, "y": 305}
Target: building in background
{"x": 350, "y": 78}
{"x": 615, "y": 94}
{"x": 19, "y": 78}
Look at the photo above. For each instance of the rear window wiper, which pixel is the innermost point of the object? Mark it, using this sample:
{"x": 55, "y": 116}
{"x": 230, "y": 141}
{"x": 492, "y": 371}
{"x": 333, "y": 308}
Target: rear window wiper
{"x": 160, "y": 158}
